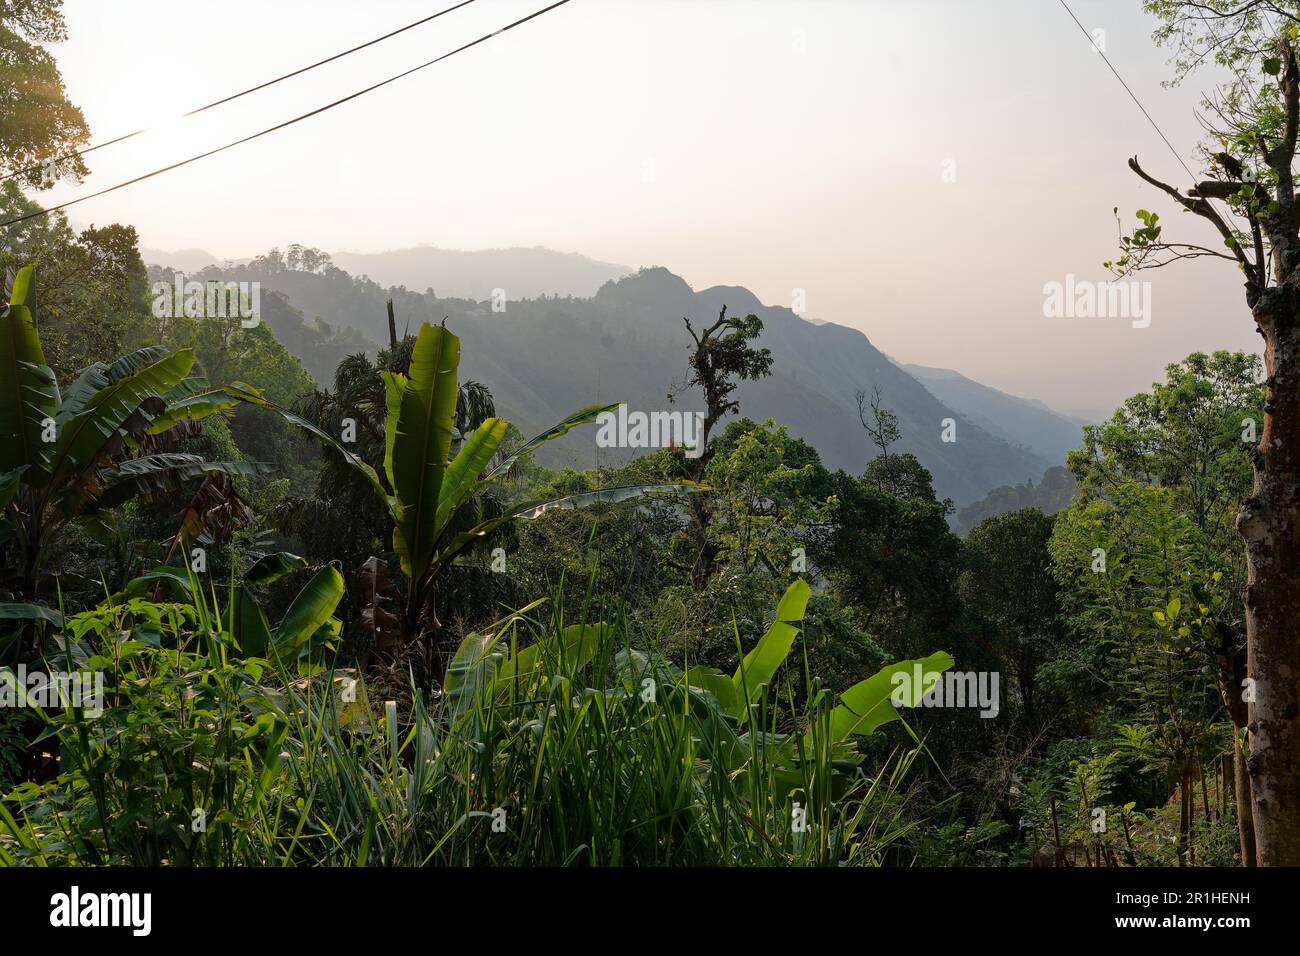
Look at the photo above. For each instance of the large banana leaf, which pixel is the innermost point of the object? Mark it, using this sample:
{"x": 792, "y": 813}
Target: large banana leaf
{"x": 575, "y": 648}
{"x": 252, "y": 396}
{"x": 9, "y": 481}
{"x": 86, "y": 386}
{"x": 480, "y": 669}
{"x": 22, "y": 285}
{"x": 394, "y": 385}
{"x": 152, "y": 475}
{"x": 760, "y": 664}
{"x": 132, "y": 362}
{"x": 248, "y": 624}
{"x": 719, "y": 685}
{"x": 29, "y": 393}
{"x": 605, "y": 495}
{"x": 584, "y": 416}
{"x": 470, "y": 673}
{"x": 191, "y": 401}
{"x": 175, "y": 580}
{"x": 867, "y": 705}
{"x": 272, "y": 567}
{"x": 84, "y": 435}
{"x": 461, "y": 480}
{"x": 22, "y": 611}
{"x": 311, "y": 609}
{"x": 462, "y": 477}
{"x": 99, "y": 375}
{"x": 421, "y": 445}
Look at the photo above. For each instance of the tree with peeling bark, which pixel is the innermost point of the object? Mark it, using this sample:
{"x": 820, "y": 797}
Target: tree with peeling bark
{"x": 1249, "y": 199}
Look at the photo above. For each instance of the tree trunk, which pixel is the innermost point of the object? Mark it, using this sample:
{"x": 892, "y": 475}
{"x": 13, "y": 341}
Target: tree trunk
{"x": 1269, "y": 521}
{"x": 1245, "y": 812}
{"x": 1184, "y": 793}
{"x": 1205, "y": 794}
{"x": 1232, "y": 673}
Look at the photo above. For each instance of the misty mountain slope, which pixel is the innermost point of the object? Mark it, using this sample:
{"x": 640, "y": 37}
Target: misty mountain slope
{"x": 544, "y": 357}
{"x": 184, "y": 260}
{"x": 1017, "y": 421}
{"x": 629, "y": 343}
{"x": 523, "y": 273}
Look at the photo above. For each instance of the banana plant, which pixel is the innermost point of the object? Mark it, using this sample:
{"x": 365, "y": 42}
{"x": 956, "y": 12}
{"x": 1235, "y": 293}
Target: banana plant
{"x": 726, "y": 708}
{"x": 305, "y": 626}
{"x": 74, "y": 457}
{"x": 424, "y": 486}
{"x": 308, "y": 622}
{"x": 722, "y": 708}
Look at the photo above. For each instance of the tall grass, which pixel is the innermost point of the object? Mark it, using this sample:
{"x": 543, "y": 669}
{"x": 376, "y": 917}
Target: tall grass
{"x": 552, "y": 744}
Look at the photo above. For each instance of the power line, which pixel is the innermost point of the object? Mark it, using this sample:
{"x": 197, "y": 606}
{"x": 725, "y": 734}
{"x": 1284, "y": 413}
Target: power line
{"x": 1131, "y": 94}
{"x": 280, "y": 126}
{"x": 252, "y": 89}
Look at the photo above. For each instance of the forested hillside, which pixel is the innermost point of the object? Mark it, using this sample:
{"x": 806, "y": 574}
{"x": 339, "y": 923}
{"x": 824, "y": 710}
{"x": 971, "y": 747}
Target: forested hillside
{"x": 547, "y": 354}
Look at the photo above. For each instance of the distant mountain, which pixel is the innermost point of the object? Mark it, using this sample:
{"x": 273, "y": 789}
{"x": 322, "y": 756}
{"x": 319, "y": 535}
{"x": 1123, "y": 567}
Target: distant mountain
{"x": 1049, "y": 496}
{"x": 522, "y": 273}
{"x": 1017, "y": 421}
{"x": 182, "y": 260}
{"x": 543, "y": 357}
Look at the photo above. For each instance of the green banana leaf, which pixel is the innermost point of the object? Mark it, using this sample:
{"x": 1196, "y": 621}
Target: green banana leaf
{"x": 421, "y": 445}
{"x": 176, "y": 579}
{"x": 22, "y": 611}
{"x": 29, "y": 393}
{"x": 190, "y": 401}
{"x": 584, "y": 416}
{"x": 760, "y": 664}
{"x": 394, "y": 385}
{"x": 722, "y": 687}
{"x": 9, "y": 482}
{"x": 248, "y": 624}
{"x": 470, "y": 673}
{"x": 449, "y": 551}
{"x": 312, "y": 609}
{"x": 462, "y": 477}
{"x": 155, "y": 474}
{"x": 605, "y": 495}
{"x": 272, "y": 567}
{"x": 867, "y": 705}
{"x": 575, "y": 648}
{"x": 82, "y": 437}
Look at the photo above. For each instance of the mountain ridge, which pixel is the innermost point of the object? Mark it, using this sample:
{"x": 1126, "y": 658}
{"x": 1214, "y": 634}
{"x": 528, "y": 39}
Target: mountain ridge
{"x": 1013, "y": 418}
{"x": 542, "y": 357}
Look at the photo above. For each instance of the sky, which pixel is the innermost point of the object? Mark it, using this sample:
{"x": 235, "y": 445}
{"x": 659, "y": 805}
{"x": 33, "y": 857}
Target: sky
{"x": 916, "y": 169}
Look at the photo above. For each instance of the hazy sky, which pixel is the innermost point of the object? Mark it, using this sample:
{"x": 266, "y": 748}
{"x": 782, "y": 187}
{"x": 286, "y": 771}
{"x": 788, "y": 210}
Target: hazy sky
{"x": 775, "y": 144}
